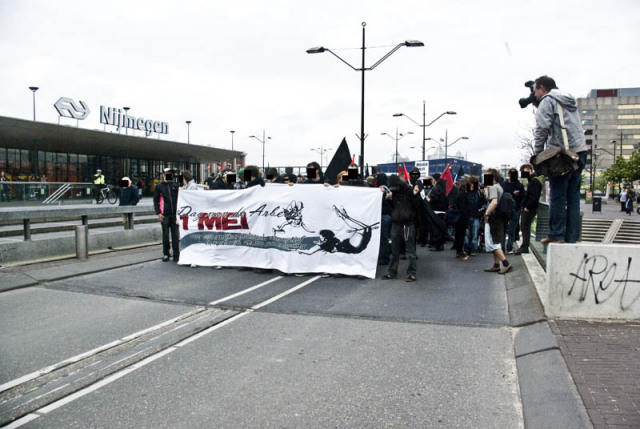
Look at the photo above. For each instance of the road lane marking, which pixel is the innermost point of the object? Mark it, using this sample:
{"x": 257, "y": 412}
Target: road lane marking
{"x": 285, "y": 293}
{"x": 227, "y": 298}
{"x": 110, "y": 379}
{"x": 77, "y": 358}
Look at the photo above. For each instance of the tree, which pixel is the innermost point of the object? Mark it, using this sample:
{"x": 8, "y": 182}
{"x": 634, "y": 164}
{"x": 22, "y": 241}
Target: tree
{"x": 634, "y": 166}
{"x": 526, "y": 144}
{"x": 623, "y": 170}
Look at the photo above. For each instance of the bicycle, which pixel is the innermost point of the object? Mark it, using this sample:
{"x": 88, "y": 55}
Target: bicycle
{"x": 108, "y": 194}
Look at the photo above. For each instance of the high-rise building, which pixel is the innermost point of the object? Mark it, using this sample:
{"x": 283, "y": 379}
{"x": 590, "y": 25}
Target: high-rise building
{"x": 611, "y": 120}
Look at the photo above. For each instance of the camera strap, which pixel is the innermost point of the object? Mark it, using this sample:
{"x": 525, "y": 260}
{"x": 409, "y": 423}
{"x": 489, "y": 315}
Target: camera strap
{"x": 563, "y": 128}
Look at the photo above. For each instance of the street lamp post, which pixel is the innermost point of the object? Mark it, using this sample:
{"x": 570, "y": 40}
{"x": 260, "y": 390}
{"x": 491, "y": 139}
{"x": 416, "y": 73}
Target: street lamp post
{"x": 188, "y": 132}
{"x": 447, "y": 145}
{"x": 126, "y": 115}
{"x": 263, "y": 141}
{"x": 34, "y": 89}
{"x": 232, "y": 132}
{"x": 612, "y": 154}
{"x": 424, "y": 123}
{"x": 363, "y": 69}
{"x": 397, "y": 137}
{"x": 321, "y": 150}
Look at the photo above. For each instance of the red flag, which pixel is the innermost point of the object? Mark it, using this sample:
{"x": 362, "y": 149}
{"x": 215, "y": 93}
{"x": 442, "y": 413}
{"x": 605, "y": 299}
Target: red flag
{"x": 446, "y": 176}
{"x": 406, "y": 173}
{"x": 353, "y": 159}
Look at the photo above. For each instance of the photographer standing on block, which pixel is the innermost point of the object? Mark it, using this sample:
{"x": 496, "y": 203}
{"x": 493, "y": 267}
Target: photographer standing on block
{"x": 564, "y": 205}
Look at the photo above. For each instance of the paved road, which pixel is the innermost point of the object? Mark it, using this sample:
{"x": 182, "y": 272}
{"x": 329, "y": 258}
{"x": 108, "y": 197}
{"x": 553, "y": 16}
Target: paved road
{"x": 157, "y": 344}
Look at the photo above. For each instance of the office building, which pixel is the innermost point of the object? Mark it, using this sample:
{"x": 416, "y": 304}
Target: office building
{"x": 611, "y": 120}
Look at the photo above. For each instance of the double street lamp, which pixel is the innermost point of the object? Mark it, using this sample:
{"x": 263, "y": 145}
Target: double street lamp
{"x": 321, "y": 150}
{"x": 263, "y": 141}
{"x": 396, "y": 138}
{"x": 424, "y": 124}
{"x": 363, "y": 69}
{"x": 447, "y": 145}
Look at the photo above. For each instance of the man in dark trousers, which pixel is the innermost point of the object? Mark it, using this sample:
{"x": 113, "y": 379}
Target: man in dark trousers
{"x": 406, "y": 203}
{"x": 165, "y": 203}
{"x": 529, "y": 206}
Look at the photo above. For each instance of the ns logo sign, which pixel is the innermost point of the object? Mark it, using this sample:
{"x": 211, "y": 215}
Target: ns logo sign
{"x": 68, "y": 108}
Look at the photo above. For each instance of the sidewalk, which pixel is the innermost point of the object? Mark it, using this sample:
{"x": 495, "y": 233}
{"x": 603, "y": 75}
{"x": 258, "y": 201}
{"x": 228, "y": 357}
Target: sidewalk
{"x": 604, "y": 361}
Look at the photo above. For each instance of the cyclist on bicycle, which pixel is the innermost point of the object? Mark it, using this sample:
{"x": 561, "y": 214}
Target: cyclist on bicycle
{"x": 98, "y": 184}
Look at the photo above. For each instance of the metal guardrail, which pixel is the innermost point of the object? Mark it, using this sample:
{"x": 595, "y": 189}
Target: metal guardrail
{"x": 25, "y": 193}
{"x": 51, "y": 214}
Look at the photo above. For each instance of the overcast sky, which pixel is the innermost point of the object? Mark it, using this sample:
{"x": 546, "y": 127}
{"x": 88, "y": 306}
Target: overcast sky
{"x": 242, "y": 65}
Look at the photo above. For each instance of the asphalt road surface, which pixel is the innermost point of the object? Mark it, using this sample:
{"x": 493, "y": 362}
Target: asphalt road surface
{"x": 162, "y": 345}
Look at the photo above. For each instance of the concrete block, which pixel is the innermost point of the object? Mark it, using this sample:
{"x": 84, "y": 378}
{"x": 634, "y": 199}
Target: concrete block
{"x": 592, "y": 281}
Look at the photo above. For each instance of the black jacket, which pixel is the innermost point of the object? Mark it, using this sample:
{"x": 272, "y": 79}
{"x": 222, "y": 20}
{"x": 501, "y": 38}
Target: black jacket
{"x": 168, "y": 193}
{"x": 438, "y": 197}
{"x": 534, "y": 189}
{"x": 511, "y": 187}
{"x": 129, "y": 196}
{"x": 405, "y": 203}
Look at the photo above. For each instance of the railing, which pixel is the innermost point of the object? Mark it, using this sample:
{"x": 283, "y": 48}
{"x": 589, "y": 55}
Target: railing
{"x": 33, "y": 193}
{"x": 29, "y": 215}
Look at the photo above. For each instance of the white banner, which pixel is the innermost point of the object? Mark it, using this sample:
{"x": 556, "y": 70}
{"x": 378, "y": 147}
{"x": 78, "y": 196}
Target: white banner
{"x": 294, "y": 229}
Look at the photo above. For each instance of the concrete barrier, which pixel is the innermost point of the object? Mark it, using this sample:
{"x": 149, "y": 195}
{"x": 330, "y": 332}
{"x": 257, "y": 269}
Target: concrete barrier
{"x": 65, "y": 247}
{"x": 592, "y": 281}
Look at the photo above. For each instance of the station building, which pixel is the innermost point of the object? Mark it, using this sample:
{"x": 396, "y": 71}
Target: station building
{"x": 30, "y": 150}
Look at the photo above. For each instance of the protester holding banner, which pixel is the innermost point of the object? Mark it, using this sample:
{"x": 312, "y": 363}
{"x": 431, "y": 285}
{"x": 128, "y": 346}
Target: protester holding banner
{"x": 406, "y": 203}
{"x": 314, "y": 174}
{"x": 385, "y": 222}
{"x": 165, "y": 203}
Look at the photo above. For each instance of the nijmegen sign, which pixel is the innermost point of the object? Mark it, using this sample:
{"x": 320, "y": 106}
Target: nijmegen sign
{"x": 68, "y": 108}
{"x": 113, "y": 116}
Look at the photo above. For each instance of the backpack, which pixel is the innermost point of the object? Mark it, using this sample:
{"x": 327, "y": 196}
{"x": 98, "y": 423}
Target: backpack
{"x": 506, "y": 206}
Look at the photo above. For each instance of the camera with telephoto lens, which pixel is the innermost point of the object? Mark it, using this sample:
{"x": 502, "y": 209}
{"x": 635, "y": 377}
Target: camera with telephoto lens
{"x": 524, "y": 102}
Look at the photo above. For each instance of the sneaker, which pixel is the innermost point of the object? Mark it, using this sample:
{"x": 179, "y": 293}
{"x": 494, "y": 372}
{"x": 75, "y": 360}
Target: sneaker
{"x": 473, "y": 254}
{"x": 505, "y": 270}
{"x": 521, "y": 251}
{"x": 462, "y": 256}
{"x": 388, "y": 277}
{"x": 411, "y": 278}
{"x": 165, "y": 258}
{"x": 492, "y": 269}
{"x": 193, "y": 265}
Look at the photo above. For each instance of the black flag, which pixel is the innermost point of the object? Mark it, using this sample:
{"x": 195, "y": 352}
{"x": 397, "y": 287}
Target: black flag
{"x": 340, "y": 161}
{"x": 460, "y": 172}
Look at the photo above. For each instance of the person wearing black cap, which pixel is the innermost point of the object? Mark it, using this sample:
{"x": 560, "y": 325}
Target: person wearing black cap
{"x": 165, "y": 203}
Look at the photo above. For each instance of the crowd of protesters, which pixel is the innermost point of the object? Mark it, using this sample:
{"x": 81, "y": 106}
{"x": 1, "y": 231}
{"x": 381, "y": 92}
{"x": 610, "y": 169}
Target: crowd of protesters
{"x": 431, "y": 211}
